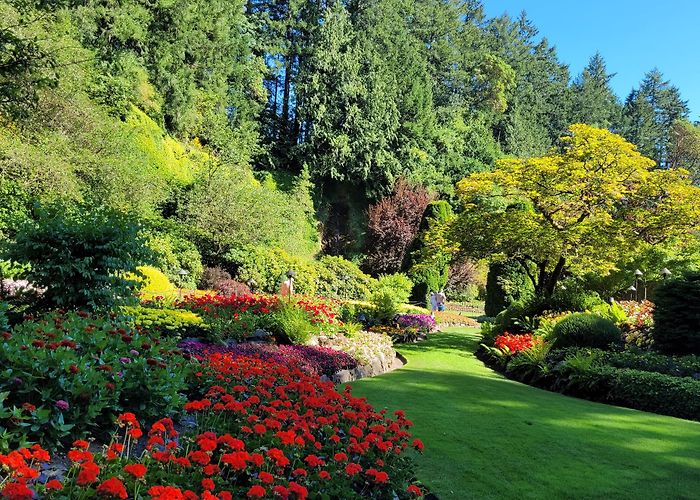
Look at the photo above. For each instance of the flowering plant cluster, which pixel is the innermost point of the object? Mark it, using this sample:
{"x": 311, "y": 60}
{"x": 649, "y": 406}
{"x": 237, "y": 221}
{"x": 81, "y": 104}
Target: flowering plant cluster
{"x": 239, "y": 316}
{"x": 400, "y": 335}
{"x": 515, "y": 343}
{"x": 311, "y": 359}
{"x": 363, "y": 346}
{"x": 65, "y": 374}
{"x": 263, "y": 431}
{"x": 638, "y": 331}
{"x": 422, "y": 322}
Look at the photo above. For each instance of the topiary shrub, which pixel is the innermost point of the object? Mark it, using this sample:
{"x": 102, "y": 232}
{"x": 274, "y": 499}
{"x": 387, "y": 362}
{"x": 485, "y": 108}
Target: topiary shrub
{"x": 153, "y": 281}
{"x": 167, "y": 322}
{"x": 677, "y": 315}
{"x": 506, "y": 283}
{"x": 585, "y": 330}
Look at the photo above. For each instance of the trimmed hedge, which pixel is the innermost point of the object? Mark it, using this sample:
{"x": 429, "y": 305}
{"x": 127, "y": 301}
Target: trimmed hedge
{"x": 168, "y": 322}
{"x": 677, "y": 315}
{"x": 585, "y": 330}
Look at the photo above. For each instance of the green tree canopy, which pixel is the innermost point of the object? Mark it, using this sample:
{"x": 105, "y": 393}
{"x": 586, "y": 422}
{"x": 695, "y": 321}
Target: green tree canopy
{"x": 579, "y": 209}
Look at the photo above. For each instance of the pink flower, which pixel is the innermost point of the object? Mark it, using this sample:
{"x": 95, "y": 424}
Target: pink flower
{"x": 62, "y": 405}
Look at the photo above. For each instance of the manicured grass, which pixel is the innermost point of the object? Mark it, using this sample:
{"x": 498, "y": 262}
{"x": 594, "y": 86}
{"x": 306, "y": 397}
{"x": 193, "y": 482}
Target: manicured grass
{"x": 489, "y": 437}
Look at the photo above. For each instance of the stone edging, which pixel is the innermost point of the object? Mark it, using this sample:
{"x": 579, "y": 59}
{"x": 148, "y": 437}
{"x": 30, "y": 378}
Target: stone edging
{"x": 378, "y": 366}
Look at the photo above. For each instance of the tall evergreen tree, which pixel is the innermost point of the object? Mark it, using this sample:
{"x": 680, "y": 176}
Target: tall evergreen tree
{"x": 594, "y": 101}
{"x": 649, "y": 113}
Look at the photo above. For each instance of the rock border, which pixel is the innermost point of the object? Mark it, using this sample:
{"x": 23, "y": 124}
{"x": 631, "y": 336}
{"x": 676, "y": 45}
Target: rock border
{"x": 378, "y": 366}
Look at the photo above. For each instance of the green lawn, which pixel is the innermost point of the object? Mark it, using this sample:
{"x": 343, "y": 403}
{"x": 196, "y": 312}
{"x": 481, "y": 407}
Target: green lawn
{"x": 489, "y": 437}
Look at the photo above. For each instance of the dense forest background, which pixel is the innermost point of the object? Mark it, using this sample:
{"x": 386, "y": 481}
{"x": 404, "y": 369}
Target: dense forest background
{"x": 235, "y": 128}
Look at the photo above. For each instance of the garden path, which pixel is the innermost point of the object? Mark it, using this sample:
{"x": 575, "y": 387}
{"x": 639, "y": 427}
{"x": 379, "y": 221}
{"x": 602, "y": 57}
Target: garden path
{"x": 489, "y": 437}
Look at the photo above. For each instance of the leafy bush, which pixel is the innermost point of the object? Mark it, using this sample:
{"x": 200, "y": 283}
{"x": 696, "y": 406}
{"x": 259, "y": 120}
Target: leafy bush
{"x": 677, "y": 315}
{"x": 167, "y": 322}
{"x": 268, "y": 268}
{"x": 398, "y": 284}
{"x": 67, "y": 374}
{"x": 81, "y": 256}
{"x": 585, "y": 330}
{"x": 506, "y": 283}
{"x": 173, "y": 253}
{"x": 385, "y": 305}
{"x": 339, "y": 278}
{"x": 392, "y": 226}
{"x": 153, "y": 281}
{"x": 638, "y": 332}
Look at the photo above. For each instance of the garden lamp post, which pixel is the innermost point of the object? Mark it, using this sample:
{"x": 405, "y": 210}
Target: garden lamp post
{"x": 290, "y": 275}
{"x": 632, "y": 289}
{"x": 637, "y": 276}
{"x": 665, "y": 273}
{"x": 182, "y": 273}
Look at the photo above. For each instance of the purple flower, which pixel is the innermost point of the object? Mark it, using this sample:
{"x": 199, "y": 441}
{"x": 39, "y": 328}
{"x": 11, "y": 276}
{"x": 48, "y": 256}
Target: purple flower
{"x": 134, "y": 352}
{"x": 420, "y": 321}
{"x": 125, "y": 360}
{"x": 17, "y": 381}
{"x": 62, "y": 405}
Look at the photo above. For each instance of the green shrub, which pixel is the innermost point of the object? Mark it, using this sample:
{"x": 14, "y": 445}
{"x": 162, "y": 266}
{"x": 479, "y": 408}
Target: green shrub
{"x": 268, "y": 268}
{"x": 167, "y": 322}
{"x": 399, "y": 284}
{"x": 507, "y": 282}
{"x": 585, "y": 330}
{"x": 386, "y": 305}
{"x": 81, "y": 255}
{"x": 294, "y": 323}
{"x": 677, "y": 315}
{"x": 174, "y": 253}
{"x": 339, "y": 278}
{"x": 153, "y": 281}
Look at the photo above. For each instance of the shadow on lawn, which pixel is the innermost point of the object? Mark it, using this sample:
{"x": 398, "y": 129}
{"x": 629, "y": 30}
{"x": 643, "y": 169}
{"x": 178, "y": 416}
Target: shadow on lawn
{"x": 445, "y": 393}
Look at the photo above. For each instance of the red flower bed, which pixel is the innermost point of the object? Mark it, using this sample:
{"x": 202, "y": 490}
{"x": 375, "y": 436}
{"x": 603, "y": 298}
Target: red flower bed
{"x": 515, "y": 343}
{"x": 262, "y": 431}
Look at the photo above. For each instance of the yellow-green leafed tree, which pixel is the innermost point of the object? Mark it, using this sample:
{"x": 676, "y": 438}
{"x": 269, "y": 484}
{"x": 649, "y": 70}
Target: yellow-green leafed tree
{"x": 588, "y": 204}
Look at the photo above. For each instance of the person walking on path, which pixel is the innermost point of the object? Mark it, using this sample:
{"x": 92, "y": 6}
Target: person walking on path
{"x": 433, "y": 304}
{"x": 441, "y": 299}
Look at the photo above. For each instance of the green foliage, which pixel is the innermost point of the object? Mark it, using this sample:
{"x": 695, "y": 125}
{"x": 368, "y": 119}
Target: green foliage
{"x": 177, "y": 323}
{"x": 152, "y": 281}
{"x": 173, "y": 253}
{"x": 339, "y": 278}
{"x": 293, "y": 323}
{"x": 81, "y": 255}
{"x": 268, "y": 268}
{"x": 385, "y": 304}
{"x": 677, "y": 315}
{"x": 522, "y": 210}
{"x": 55, "y": 368}
{"x": 586, "y": 330}
{"x": 613, "y": 312}
{"x": 398, "y": 284}
{"x": 506, "y": 283}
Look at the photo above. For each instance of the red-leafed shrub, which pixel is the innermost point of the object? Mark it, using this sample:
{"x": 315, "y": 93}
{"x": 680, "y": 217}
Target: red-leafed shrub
{"x": 393, "y": 224}
{"x": 232, "y": 287}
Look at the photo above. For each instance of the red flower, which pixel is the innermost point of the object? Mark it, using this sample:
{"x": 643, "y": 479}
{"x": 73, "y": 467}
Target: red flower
{"x": 418, "y": 444}
{"x": 208, "y": 484}
{"x": 88, "y": 473}
{"x": 266, "y": 477}
{"x": 256, "y": 491}
{"x": 414, "y": 490}
{"x": 112, "y": 488}
{"x": 136, "y": 470}
{"x": 352, "y": 469}
{"x": 54, "y": 485}
{"x": 17, "y": 491}
{"x": 81, "y": 444}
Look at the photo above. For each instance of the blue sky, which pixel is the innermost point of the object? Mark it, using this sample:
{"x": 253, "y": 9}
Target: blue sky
{"x": 632, "y": 36}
